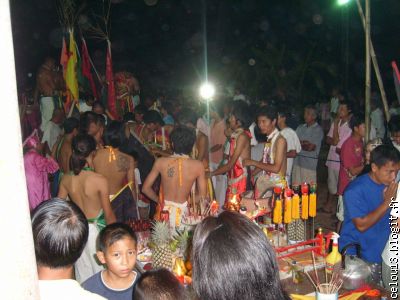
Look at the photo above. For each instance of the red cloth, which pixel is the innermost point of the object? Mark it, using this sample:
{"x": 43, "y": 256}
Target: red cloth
{"x": 64, "y": 56}
{"x": 237, "y": 176}
{"x": 351, "y": 155}
{"x": 86, "y": 68}
{"x": 111, "y": 98}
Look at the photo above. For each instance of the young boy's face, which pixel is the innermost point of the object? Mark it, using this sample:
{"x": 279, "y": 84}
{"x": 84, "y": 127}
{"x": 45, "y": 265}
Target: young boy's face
{"x": 360, "y": 130}
{"x": 120, "y": 257}
{"x": 266, "y": 125}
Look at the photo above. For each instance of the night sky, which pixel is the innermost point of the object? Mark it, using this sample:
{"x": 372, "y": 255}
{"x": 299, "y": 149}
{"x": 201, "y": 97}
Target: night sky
{"x": 300, "y": 47}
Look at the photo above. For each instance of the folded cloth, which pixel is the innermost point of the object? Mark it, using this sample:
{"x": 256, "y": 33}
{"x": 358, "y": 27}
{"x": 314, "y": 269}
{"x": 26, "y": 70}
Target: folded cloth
{"x": 176, "y": 212}
{"x": 124, "y": 205}
{"x": 99, "y": 221}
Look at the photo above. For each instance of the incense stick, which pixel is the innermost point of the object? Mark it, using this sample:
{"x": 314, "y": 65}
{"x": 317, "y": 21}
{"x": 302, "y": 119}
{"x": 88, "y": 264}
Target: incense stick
{"x": 315, "y": 268}
{"x": 312, "y": 281}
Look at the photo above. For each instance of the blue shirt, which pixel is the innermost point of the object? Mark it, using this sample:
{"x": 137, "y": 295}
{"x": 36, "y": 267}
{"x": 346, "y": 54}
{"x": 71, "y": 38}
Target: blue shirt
{"x": 169, "y": 120}
{"x": 361, "y": 197}
{"x": 95, "y": 284}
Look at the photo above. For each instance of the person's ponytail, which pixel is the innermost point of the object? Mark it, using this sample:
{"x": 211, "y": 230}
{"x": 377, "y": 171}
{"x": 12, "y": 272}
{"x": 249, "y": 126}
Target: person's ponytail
{"x": 82, "y": 146}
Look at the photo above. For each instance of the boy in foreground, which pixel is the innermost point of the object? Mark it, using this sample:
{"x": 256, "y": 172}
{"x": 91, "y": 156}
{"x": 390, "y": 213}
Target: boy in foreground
{"x": 117, "y": 251}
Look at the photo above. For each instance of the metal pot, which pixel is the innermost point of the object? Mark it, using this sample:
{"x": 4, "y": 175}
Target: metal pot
{"x": 356, "y": 272}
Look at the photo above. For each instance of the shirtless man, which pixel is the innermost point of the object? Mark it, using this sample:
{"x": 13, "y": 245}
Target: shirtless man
{"x": 274, "y": 158}
{"x": 188, "y": 118}
{"x": 89, "y": 191}
{"x": 239, "y": 151}
{"x": 62, "y": 150}
{"x": 45, "y": 90}
{"x": 157, "y": 132}
{"x": 119, "y": 170}
{"x": 178, "y": 173}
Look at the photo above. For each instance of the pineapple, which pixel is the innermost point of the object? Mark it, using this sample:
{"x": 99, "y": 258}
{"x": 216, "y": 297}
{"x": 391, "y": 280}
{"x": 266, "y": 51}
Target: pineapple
{"x": 161, "y": 240}
{"x": 182, "y": 240}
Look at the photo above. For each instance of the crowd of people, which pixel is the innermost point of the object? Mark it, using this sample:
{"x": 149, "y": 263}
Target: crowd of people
{"x": 103, "y": 173}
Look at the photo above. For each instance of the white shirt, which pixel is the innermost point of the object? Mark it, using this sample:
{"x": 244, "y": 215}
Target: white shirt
{"x": 83, "y": 107}
{"x": 51, "y": 133}
{"x": 377, "y": 122}
{"x": 138, "y": 180}
{"x": 253, "y": 140}
{"x": 334, "y": 104}
{"x": 64, "y": 289}
{"x": 390, "y": 254}
{"x": 293, "y": 143}
{"x": 239, "y": 97}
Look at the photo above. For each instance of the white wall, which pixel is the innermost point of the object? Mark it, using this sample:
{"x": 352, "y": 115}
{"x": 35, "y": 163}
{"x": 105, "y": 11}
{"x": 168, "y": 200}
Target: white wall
{"x": 18, "y": 277}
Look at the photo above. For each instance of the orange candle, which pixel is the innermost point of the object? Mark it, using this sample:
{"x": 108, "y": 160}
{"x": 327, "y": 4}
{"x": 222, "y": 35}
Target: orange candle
{"x": 287, "y": 216}
{"x": 313, "y": 205}
{"x": 295, "y": 207}
{"x": 277, "y": 217}
{"x": 304, "y": 206}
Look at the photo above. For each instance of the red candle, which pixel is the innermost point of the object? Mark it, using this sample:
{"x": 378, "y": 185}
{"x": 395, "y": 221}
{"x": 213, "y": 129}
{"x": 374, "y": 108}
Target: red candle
{"x": 181, "y": 278}
{"x": 304, "y": 188}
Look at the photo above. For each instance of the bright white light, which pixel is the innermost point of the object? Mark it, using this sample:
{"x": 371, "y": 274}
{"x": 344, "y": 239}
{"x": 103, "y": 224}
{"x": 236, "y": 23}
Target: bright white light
{"x": 207, "y": 91}
{"x": 343, "y": 2}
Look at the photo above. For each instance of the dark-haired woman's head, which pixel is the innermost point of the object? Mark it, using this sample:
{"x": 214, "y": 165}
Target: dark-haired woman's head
{"x": 232, "y": 259}
{"x": 114, "y": 135}
{"x": 83, "y": 146}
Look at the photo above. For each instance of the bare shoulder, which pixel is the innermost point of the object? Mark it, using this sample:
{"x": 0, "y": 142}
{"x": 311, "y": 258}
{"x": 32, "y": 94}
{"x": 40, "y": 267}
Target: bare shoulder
{"x": 196, "y": 164}
{"x": 66, "y": 178}
{"x": 201, "y": 136}
{"x": 97, "y": 179}
{"x": 124, "y": 161}
{"x": 243, "y": 137}
{"x": 161, "y": 161}
{"x": 101, "y": 153}
{"x": 281, "y": 139}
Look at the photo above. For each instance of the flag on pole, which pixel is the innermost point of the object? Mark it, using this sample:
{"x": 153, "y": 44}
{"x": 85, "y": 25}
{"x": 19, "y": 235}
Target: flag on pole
{"x": 396, "y": 76}
{"x": 64, "y": 56}
{"x": 71, "y": 79}
{"x": 86, "y": 68}
{"x": 111, "y": 98}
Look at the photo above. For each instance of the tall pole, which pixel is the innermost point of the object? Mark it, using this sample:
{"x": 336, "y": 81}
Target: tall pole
{"x": 376, "y": 66}
{"x": 367, "y": 69}
{"x": 19, "y": 277}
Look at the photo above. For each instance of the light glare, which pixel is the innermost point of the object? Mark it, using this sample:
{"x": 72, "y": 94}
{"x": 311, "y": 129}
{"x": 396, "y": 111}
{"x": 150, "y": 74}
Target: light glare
{"x": 343, "y": 2}
{"x": 207, "y": 91}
